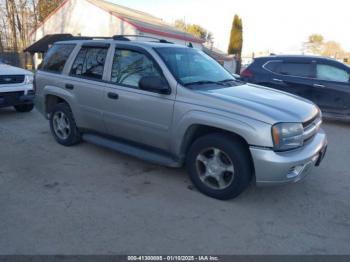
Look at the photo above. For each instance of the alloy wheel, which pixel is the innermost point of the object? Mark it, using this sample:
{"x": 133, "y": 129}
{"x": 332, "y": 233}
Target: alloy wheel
{"x": 61, "y": 125}
{"x": 215, "y": 168}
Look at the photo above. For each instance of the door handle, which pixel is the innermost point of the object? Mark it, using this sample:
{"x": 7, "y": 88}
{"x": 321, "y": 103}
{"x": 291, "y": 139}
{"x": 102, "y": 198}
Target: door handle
{"x": 113, "y": 95}
{"x": 69, "y": 86}
{"x": 320, "y": 86}
{"x": 277, "y": 80}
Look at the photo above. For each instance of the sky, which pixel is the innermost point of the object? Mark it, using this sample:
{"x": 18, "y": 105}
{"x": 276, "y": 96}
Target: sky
{"x": 280, "y": 26}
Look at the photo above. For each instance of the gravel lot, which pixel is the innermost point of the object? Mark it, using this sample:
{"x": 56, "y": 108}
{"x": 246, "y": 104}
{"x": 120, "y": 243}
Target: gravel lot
{"x": 90, "y": 200}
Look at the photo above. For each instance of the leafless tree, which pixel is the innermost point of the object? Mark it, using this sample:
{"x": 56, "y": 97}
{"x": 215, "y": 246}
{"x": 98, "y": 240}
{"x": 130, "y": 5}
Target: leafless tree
{"x": 18, "y": 18}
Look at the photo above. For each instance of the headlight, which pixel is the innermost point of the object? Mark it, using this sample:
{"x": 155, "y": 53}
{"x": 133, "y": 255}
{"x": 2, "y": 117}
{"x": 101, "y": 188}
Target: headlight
{"x": 28, "y": 79}
{"x": 287, "y": 136}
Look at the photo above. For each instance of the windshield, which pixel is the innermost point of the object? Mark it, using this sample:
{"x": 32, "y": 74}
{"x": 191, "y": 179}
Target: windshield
{"x": 192, "y": 66}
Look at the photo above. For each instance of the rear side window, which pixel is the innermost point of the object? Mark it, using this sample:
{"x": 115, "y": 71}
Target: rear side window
{"x": 56, "y": 58}
{"x": 90, "y": 62}
{"x": 130, "y": 66}
{"x": 273, "y": 65}
{"x": 295, "y": 69}
{"x": 331, "y": 73}
{"x": 290, "y": 69}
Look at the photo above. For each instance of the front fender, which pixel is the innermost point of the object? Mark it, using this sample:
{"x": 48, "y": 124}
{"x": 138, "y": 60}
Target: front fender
{"x": 254, "y": 132}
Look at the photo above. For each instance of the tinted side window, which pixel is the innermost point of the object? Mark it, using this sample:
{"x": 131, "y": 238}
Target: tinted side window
{"x": 129, "y": 66}
{"x": 295, "y": 69}
{"x": 56, "y": 58}
{"x": 90, "y": 62}
{"x": 273, "y": 65}
{"x": 331, "y": 73}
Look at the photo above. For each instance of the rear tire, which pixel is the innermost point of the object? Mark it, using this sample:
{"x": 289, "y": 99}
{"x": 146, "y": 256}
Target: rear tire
{"x": 63, "y": 126}
{"x": 24, "y": 108}
{"x": 219, "y": 165}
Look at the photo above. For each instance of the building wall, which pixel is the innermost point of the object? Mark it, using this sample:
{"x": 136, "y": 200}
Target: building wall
{"x": 230, "y": 65}
{"x": 79, "y": 17}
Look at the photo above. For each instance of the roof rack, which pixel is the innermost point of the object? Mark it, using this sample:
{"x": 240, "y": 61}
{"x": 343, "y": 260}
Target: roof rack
{"x": 42, "y": 45}
{"x": 126, "y": 38}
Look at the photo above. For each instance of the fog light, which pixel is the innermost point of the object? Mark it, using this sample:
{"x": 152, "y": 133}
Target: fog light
{"x": 295, "y": 171}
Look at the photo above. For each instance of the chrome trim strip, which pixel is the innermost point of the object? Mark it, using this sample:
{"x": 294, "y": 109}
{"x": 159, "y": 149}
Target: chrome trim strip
{"x": 312, "y": 128}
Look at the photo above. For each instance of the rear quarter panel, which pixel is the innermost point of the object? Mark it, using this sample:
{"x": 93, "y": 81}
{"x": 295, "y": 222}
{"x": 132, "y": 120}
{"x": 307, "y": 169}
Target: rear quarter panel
{"x": 52, "y": 84}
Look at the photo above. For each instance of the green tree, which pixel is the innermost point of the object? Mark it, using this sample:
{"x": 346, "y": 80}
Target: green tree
{"x": 315, "y": 44}
{"x": 333, "y": 49}
{"x": 194, "y": 29}
{"x": 236, "y": 41}
{"x": 180, "y": 24}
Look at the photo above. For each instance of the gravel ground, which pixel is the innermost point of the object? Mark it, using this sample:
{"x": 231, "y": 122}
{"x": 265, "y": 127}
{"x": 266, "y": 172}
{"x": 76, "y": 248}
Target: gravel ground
{"x": 90, "y": 200}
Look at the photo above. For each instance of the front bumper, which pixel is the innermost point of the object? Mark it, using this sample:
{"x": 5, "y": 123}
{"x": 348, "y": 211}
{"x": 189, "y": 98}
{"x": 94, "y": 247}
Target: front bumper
{"x": 273, "y": 168}
{"x": 16, "y": 98}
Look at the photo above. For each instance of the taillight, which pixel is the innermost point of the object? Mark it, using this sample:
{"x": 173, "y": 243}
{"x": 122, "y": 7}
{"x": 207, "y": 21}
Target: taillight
{"x": 246, "y": 73}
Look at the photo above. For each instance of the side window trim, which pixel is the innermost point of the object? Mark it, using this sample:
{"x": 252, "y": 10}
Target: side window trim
{"x": 138, "y": 50}
{"x": 269, "y": 62}
{"x": 313, "y": 69}
{"x": 291, "y": 62}
{"x": 76, "y": 52}
{"x": 313, "y": 63}
{"x": 71, "y": 59}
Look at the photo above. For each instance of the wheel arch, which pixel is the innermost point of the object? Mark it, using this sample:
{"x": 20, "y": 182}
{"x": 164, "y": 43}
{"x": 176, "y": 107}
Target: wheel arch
{"x": 53, "y": 96}
{"x": 196, "y": 131}
{"x": 197, "y": 123}
{"x": 52, "y": 100}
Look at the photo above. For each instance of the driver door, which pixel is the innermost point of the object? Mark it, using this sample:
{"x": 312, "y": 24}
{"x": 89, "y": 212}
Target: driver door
{"x": 133, "y": 114}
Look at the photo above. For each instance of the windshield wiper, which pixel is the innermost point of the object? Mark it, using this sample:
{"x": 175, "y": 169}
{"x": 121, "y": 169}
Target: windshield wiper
{"x": 204, "y": 82}
{"x": 237, "y": 81}
{"x": 227, "y": 80}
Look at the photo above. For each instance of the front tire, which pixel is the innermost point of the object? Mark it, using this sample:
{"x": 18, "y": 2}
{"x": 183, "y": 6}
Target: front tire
{"x": 63, "y": 126}
{"x": 24, "y": 108}
{"x": 219, "y": 165}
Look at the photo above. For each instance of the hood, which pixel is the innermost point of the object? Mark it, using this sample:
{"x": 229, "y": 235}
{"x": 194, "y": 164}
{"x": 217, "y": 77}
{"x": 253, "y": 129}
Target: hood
{"x": 11, "y": 70}
{"x": 263, "y": 103}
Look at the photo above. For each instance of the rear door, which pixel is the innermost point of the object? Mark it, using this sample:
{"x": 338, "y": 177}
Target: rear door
{"x": 86, "y": 83}
{"x": 332, "y": 88}
{"x": 291, "y": 76}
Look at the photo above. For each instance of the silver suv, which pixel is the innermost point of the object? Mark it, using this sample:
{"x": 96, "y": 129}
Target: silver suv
{"x": 173, "y": 105}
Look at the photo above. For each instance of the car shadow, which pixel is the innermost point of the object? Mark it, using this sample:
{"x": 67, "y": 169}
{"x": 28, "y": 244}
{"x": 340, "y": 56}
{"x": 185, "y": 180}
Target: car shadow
{"x": 7, "y": 111}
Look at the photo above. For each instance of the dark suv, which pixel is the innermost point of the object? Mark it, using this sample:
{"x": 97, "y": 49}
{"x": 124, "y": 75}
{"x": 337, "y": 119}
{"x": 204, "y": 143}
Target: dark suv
{"x": 321, "y": 80}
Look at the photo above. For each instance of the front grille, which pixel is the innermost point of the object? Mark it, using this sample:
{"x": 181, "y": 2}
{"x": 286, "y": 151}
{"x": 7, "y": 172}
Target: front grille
{"x": 10, "y": 98}
{"x": 311, "y": 127}
{"x": 11, "y": 79}
{"x": 308, "y": 122}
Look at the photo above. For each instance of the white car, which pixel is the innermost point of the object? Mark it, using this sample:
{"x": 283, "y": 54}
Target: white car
{"x": 16, "y": 88}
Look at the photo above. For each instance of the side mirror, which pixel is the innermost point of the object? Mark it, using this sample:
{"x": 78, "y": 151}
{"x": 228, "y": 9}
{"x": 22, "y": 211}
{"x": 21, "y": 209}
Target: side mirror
{"x": 154, "y": 84}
